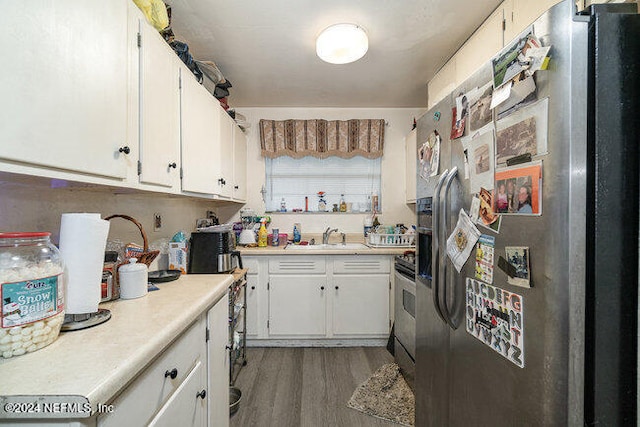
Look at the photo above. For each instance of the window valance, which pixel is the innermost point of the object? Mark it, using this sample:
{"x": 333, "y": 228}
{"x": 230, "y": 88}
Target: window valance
{"x": 322, "y": 138}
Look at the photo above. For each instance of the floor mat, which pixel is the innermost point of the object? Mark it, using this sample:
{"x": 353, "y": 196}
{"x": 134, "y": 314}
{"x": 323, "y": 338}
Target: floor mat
{"x": 385, "y": 395}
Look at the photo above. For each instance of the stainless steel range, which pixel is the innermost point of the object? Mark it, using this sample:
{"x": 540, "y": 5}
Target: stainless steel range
{"x": 405, "y": 315}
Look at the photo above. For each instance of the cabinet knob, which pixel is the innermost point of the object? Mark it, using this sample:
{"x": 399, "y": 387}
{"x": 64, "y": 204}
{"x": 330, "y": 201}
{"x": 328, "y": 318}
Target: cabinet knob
{"x": 172, "y": 373}
{"x": 173, "y": 165}
{"x": 228, "y": 347}
{"x": 220, "y": 180}
{"x": 337, "y": 287}
{"x": 224, "y": 182}
{"x": 125, "y": 150}
{"x": 236, "y": 187}
{"x": 253, "y": 288}
{"x": 202, "y": 394}
{"x": 322, "y": 288}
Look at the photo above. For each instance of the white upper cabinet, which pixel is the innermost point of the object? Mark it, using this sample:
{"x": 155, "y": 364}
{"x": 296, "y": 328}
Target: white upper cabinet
{"x": 499, "y": 29}
{"x": 159, "y": 110}
{"x": 64, "y": 84}
{"x": 225, "y": 178}
{"x": 411, "y": 160}
{"x": 519, "y": 14}
{"x": 239, "y": 165}
{"x": 200, "y": 143}
{"x": 485, "y": 42}
{"x": 442, "y": 83}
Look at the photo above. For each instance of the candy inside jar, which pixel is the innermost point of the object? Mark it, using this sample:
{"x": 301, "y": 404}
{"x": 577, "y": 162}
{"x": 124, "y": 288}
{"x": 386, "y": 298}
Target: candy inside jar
{"x": 32, "y": 285}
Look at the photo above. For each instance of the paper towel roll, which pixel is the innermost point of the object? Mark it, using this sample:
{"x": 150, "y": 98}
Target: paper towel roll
{"x": 83, "y": 238}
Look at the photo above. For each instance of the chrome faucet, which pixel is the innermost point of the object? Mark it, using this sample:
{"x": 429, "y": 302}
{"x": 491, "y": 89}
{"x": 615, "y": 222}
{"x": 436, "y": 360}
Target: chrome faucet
{"x": 326, "y": 234}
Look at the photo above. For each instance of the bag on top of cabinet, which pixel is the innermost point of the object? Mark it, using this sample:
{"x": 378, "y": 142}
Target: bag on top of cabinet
{"x": 155, "y": 11}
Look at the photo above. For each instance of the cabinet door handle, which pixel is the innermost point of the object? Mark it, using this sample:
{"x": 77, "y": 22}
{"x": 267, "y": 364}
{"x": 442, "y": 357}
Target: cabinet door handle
{"x": 125, "y": 150}
{"x": 172, "y": 373}
{"x": 253, "y": 288}
{"x": 236, "y": 187}
{"x": 337, "y": 287}
{"x": 322, "y": 288}
{"x": 173, "y": 165}
{"x": 202, "y": 394}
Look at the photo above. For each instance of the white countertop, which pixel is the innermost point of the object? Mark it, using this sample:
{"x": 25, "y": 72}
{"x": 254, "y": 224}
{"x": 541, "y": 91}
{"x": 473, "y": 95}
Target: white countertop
{"x": 96, "y": 363}
{"x": 280, "y": 250}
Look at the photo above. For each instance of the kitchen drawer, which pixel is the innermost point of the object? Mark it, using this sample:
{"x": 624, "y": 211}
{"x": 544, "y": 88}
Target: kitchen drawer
{"x": 148, "y": 392}
{"x": 251, "y": 264}
{"x": 186, "y": 407}
{"x": 297, "y": 265}
{"x": 361, "y": 264}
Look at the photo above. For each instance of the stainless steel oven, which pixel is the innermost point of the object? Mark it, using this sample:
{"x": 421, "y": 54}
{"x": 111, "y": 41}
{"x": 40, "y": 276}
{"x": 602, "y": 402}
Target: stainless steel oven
{"x": 405, "y": 315}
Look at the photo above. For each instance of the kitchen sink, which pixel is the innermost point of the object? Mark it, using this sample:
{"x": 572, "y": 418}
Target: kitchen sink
{"x": 333, "y": 246}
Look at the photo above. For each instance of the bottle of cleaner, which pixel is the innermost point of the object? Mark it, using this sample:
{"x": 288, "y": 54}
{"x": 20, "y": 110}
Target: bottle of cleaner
{"x": 262, "y": 235}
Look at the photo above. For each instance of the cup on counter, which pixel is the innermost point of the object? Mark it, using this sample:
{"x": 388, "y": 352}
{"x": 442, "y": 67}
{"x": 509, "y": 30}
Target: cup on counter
{"x": 349, "y": 207}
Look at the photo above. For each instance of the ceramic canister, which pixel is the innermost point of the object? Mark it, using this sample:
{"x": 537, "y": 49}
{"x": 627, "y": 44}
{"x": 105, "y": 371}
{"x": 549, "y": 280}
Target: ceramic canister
{"x": 133, "y": 279}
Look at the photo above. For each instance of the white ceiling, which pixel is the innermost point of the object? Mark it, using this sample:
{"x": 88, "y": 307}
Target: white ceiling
{"x": 267, "y": 48}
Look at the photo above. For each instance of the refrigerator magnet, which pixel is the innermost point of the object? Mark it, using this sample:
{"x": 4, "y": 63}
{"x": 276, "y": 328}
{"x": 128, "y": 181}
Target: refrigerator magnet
{"x": 496, "y": 318}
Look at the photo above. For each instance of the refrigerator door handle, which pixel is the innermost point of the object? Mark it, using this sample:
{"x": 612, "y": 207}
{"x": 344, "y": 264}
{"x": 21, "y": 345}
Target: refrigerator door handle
{"x": 442, "y": 273}
{"x": 435, "y": 244}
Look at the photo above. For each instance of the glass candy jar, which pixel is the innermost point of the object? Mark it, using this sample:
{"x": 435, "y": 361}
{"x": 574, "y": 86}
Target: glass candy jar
{"x": 32, "y": 286}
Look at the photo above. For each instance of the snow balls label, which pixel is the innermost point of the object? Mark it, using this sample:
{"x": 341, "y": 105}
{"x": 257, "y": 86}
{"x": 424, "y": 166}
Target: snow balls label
{"x": 31, "y": 300}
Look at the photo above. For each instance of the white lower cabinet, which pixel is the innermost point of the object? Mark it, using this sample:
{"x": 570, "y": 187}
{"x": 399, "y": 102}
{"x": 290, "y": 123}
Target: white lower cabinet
{"x": 360, "y": 305}
{"x": 179, "y": 386}
{"x": 218, "y": 364}
{"x": 318, "y": 297}
{"x": 187, "y": 406}
{"x": 297, "y": 305}
{"x": 252, "y": 305}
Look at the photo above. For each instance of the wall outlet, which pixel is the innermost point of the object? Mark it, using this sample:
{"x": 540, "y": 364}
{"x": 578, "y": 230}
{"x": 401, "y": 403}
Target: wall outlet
{"x": 157, "y": 222}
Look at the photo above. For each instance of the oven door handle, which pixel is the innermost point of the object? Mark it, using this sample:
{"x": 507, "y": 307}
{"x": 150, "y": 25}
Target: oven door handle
{"x": 435, "y": 246}
{"x": 442, "y": 290}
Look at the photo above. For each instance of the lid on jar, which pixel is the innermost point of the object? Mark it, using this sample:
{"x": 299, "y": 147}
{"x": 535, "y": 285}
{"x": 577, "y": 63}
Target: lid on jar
{"x": 132, "y": 266}
{"x": 25, "y": 235}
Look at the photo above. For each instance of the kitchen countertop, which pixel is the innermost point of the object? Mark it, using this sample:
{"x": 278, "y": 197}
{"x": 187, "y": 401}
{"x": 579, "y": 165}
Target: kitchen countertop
{"x": 96, "y": 363}
{"x": 280, "y": 250}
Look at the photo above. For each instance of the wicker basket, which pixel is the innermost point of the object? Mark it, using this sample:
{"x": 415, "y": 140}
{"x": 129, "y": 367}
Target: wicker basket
{"x": 147, "y": 256}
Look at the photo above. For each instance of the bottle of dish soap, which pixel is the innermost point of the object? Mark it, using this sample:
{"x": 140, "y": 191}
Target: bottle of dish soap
{"x": 343, "y": 204}
{"x": 296, "y": 233}
{"x": 262, "y": 235}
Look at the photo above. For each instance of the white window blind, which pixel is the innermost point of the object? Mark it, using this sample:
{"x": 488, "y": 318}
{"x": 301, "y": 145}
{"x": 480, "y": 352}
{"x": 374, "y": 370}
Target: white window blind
{"x": 293, "y": 179}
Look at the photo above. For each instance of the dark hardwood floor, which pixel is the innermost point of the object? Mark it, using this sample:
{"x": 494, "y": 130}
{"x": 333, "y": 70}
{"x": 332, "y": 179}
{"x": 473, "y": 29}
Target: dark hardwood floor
{"x": 305, "y": 386}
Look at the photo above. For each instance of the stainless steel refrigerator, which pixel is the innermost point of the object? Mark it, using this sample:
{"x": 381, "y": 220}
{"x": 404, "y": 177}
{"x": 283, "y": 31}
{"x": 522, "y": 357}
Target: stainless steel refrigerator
{"x": 576, "y": 363}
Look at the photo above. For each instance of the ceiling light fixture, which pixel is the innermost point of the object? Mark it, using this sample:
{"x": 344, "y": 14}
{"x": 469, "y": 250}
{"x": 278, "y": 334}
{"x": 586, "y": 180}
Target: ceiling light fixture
{"x": 342, "y": 43}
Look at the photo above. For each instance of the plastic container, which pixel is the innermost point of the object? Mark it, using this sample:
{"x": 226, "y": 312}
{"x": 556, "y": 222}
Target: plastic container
{"x": 32, "y": 285}
{"x": 367, "y": 225}
{"x": 133, "y": 279}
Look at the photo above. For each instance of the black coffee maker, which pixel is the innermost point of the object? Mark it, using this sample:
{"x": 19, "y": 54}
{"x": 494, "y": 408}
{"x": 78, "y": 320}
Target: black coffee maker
{"x": 212, "y": 253}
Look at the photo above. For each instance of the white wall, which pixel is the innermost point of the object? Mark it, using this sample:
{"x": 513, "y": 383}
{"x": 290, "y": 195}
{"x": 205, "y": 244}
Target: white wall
{"x": 37, "y": 208}
{"x": 394, "y": 208}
